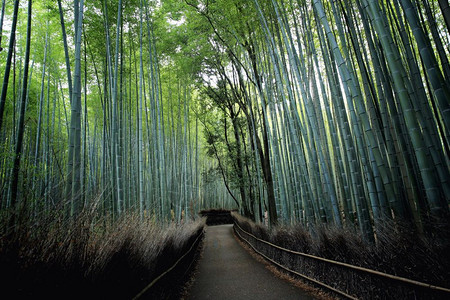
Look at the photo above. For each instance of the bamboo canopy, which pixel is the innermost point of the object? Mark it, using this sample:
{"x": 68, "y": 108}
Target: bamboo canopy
{"x": 292, "y": 111}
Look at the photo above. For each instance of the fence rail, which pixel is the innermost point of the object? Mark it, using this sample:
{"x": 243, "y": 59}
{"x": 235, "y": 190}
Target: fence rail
{"x": 151, "y": 284}
{"x": 386, "y": 276}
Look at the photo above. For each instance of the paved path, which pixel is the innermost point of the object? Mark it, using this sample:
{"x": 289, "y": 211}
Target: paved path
{"x": 227, "y": 271}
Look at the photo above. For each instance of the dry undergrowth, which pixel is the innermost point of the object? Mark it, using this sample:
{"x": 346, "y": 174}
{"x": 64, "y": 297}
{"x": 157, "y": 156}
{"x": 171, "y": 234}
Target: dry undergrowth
{"x": 399, "y": 251}
{"x": 301, "y": 284}
{"x": 92, "y": 257}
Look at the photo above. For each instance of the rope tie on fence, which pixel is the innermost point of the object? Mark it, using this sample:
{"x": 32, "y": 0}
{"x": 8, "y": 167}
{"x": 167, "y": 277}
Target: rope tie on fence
{"x": 143, "y": 291}
{"x": 361, "y": 269}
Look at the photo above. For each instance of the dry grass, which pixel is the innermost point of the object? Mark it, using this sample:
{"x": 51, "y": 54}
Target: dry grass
{"x": 92, "y": 257}
{"x": 399, "y": 251}
{"x": 301, "y": 284}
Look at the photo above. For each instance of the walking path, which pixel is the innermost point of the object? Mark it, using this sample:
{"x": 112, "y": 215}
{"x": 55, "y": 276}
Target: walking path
{"x": 227, "y": 271}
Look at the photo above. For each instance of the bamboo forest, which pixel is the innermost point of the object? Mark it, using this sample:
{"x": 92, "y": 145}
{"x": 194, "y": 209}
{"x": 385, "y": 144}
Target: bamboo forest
{"x": 320, "y": 126}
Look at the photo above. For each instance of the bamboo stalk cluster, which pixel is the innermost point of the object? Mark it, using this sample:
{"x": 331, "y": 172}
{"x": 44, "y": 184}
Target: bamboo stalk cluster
{"x": 353, "y": 100}
{"x": 313, "y": 111}
{"x": 101, "y": 127}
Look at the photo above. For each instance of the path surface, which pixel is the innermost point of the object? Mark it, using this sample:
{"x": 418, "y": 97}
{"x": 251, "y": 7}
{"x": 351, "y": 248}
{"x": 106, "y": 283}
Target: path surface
{"x": 227, "y": 271}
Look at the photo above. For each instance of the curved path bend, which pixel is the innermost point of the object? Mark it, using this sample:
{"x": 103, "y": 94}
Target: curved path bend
{"x": 227, "y": 271}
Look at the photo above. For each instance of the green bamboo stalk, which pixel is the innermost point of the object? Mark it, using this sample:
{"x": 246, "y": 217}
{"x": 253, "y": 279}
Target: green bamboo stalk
{"x": 430, "y": 180}
{"x": 41, "y": 101}
{"x": 66, "y": 50}
{"x": 12, "y": 40}
{"x": 73, "y": 185}
{"x": 140, "y": 163}
{"x": 445, "y": 8}
{"x": 1, "y": 22}
{"x": 21, "y": 127}
{"x": 440, "y": 88}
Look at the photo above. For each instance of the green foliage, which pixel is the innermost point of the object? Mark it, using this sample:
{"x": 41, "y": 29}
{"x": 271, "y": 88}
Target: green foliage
{"x": 316, "y": 111}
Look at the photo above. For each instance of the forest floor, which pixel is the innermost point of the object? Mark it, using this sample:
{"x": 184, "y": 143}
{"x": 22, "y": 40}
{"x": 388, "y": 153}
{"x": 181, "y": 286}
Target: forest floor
{"x": 227, "y": 271}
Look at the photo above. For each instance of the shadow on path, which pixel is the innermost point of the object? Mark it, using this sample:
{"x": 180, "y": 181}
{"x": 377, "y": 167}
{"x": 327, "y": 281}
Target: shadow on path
{"x": 227, "y": 271}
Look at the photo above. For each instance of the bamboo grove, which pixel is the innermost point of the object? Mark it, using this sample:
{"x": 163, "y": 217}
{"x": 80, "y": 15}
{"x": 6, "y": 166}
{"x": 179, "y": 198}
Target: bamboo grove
{"x": 338, "y": 108}
{"x": 293, "y": 111}
{"x": 90, "y": 128}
